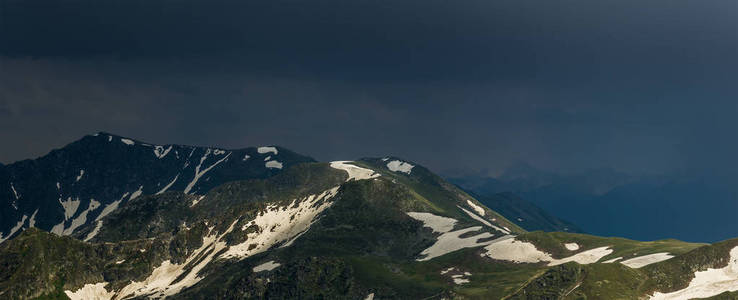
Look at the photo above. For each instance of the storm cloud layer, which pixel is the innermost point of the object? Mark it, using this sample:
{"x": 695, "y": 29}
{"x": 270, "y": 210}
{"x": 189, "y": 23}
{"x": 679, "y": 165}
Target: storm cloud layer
{"x": 470, "y": 86}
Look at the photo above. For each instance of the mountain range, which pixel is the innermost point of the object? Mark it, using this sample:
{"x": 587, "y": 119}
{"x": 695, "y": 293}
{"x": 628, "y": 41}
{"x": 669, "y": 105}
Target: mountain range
{"x": 110, "y": 217}
{"x": 611, "y": 203}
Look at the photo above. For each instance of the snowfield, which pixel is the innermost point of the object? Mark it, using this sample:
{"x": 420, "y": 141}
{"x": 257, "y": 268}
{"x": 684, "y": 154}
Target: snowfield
{"x": 278, "y": 224}
{"x": 399, "y": 166}
{"x": 708, "y": 283}
{"x": 267, "y": 266}
{"x": 263, "y": 150}
{"x": 273, "y": 164}
{"x": 524, "y": 252}
{"x": 571, "y": 246}
{"x": 645, "y": 260}
{"x": 449, "y": 241}
{"x": 354, "y": 172}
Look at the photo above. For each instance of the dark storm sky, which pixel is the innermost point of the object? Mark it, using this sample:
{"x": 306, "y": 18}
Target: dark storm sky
{"x": 641, "y": 86}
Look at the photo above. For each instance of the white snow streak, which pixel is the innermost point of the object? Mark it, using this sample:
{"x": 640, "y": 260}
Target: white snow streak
{"x": 199, "y": 173}
{"x": 267, "y": 266}
{"x": 160, "y": 152}
{"x": 127, "y": 141}
{"x": 110, "y": 207}
{"x": 642, "y": 261}
{"x": 168, "y": 185}
{"x": 94, "y": 231}
{"x": 15, "y": 193}
{"x": 32, "y": 220}
{"x": 136, "y": 193}
{"x": 194, "y": 202}
{"x": 477, "y": 208}
{"x": 483, "y": 221}
{"x": 399, "y": 166}
{"x": 708, "y": 283}
{"x": 81, "y": 173}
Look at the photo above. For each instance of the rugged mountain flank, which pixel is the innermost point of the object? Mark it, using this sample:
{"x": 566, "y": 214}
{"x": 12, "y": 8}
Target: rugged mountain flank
{"x": 81, "y": 183}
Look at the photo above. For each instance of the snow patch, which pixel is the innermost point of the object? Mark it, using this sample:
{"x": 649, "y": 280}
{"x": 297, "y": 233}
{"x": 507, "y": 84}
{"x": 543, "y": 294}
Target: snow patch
{"x": 194, "y": 202}
{"x": 110, "y": 207}
{"x": 267, "y": 266}
{"x": 32, "y": 220}
{"x": 399, "y": 166}
{"x": 136, "y": 193}
{"x": 571, "y": 246}
{"x": 94, "y": 231}
{"x": 449, "y": 241}
{"x": 642, "y": 261}
{"x": 160, "y": 152}
{"x": 95, "y": 291}
{"x": 708, "y": 283}
{"x": 354, "y": 172}
{"x": 58, "y": 186}
{"x": 127, "y": 141}
{"x": 477, "y": 208}
{"x": 277, "y": 224}
{"x": 245, "y": 157}
{"x": 273, "y": 164}
{"x": 120, "y": 262}
{"x": 15, "y": 193}
{"x": 460, "y": 279}
{"x": 199, "y": 173}
{"x": 267, "y": 158}
{"x": 369, "y": 297}
{"x": 81, "y": 173}
{"x": 168, "y": 185}
{"x": 263, "y": 150}
{"x": 218, "y": 152}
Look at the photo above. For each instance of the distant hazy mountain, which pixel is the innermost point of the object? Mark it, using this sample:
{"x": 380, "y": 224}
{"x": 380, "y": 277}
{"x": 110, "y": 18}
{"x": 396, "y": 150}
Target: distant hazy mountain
{"x": 524, "y": 213}
{"x": 609, "y": 203}
{"x": 239, "y": 227}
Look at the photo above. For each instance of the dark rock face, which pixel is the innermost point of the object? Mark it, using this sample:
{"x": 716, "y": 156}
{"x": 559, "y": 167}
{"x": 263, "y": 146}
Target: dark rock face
{"x": 74, "y": 185}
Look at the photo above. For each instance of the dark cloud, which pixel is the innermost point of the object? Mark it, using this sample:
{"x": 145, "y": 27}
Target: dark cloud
{"x": 566, "y": 85}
